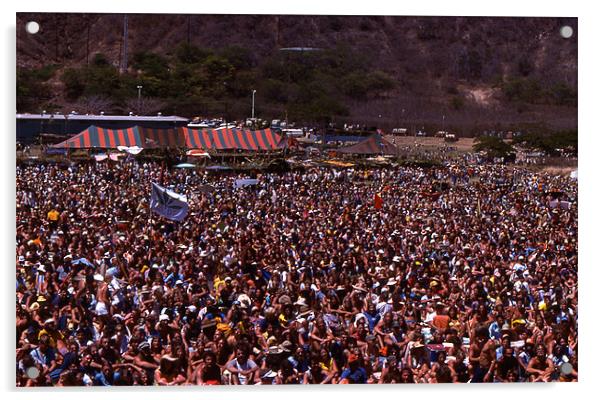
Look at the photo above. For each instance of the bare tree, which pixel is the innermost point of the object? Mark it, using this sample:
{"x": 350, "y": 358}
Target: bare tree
{"x": 144, "y": 105}
{"x": 93, "y": 104}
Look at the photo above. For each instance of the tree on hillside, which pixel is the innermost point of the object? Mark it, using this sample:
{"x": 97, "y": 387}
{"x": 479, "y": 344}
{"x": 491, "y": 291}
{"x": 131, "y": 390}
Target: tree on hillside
{"x": 550, "y": 144}
{"x": 493, "y": 146}
{"x": 146, "y": 105}
{"x": 33, "y": 90}
{"x": 93, "y": 104}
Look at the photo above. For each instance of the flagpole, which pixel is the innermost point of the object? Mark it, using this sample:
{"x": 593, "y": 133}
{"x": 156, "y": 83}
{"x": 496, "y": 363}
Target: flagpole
{"x": 162, "y": 171}
{"x": 149, "y": 206}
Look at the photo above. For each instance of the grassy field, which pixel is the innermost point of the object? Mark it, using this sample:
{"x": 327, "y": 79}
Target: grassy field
{"x": 431, "y": 143}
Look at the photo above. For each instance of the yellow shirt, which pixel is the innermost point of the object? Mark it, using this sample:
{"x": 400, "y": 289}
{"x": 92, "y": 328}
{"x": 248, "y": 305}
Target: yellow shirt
{"x": 217, "y": 282}
{"x": 53, "y": 337}
{"x": 53, "y": 215}
{"x": 326, "y": 367}
{"x": 283, "y": 321}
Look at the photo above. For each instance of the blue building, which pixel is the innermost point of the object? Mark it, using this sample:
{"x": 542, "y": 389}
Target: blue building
{"x": 31, "y": 126}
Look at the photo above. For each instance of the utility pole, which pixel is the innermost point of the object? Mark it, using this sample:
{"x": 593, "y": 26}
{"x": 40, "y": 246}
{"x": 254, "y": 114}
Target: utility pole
{"x": 226, "y": 103}
{"x": 277, "y": 31}
{"x": 56, "y": 37}
{"x": 188, "y": 34}
{"x": 139, "y": 87}
{"x": 88, "y": 41}
{"x": 124, "y": 60}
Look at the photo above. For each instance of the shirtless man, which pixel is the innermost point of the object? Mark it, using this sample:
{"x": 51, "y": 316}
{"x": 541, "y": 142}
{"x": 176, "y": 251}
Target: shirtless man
{"x": 481, "y": 356}
{"x": 102, "y": 297}
{"x": 487, "y": 359}
{"x": 540, "y": 367}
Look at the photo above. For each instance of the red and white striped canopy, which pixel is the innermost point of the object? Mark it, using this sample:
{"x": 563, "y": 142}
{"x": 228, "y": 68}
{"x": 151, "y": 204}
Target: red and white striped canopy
{"x": 205, "y": 139}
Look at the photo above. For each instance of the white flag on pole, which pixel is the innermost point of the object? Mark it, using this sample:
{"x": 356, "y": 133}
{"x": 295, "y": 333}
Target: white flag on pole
{"x": 168, "y": 204}
{"x": 245, "y": 182}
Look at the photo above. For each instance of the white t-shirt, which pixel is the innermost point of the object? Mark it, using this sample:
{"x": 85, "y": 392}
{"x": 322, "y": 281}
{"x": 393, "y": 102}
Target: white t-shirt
{"x": 249, "y": 364}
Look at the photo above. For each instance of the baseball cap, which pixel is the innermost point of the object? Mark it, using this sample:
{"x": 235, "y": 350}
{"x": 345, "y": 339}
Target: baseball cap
{"x": 267, "y": 374}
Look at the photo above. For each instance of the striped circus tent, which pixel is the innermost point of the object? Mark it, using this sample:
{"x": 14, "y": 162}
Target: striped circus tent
{"x": 161, "y": 138}
{"x": 231, "y": 139}
{"x": 97, "y": 137}
{"x": 147, "y": 138}
{"x": 373, "y": 145}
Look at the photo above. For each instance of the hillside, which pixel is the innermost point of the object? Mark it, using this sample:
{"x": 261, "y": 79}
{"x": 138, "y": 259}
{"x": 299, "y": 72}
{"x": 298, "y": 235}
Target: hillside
{"x": 388, "y": 71}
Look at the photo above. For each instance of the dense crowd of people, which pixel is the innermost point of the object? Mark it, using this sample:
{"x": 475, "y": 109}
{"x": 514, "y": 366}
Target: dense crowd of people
{"x": 315, "y": 276}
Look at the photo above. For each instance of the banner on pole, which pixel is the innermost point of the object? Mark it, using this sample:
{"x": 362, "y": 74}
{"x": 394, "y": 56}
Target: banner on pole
{"x": 168, "y": 204}
{"x": 245, "y": 182}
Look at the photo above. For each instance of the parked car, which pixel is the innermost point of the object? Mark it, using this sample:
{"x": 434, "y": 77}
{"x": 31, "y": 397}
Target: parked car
{"x": 451, "y": 137}
{"x": 399, "y": 131}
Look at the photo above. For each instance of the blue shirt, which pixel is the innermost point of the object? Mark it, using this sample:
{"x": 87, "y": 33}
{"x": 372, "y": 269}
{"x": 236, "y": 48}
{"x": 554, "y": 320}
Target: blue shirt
{"x": 372, "y": 320}
{"x": 42, "y": 357}
{"x": 495, "y": 331}
{"x": 101, "y": 380}
{"x": 357, "y": 376}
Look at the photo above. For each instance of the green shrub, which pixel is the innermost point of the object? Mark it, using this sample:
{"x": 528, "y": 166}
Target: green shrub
{"x": 191, "y": 54}
{"x": 493, "y": 146}
{"x": 75, "y": 83}
{"x": 151, "y": 64}
{"x": 457, "y": 103}
{"x": 522, "y": 89}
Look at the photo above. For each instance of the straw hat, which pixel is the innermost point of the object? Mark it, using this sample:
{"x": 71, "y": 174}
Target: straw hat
{"x": 301, "y": 302}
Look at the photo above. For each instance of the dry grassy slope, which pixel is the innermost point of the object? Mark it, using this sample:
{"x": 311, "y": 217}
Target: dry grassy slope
{"x": 463, "y": 144}
{"x": 423, "y": 54}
